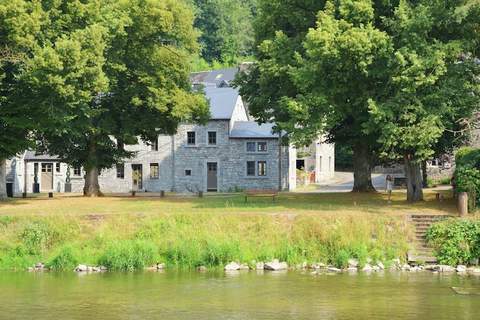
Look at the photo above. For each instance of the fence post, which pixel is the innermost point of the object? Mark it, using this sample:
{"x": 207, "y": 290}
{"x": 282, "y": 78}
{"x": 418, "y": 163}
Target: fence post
{"x": 462, "y": 204}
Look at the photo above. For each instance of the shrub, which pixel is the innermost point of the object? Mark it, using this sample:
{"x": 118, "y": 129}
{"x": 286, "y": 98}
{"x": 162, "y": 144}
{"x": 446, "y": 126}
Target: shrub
{"x": 65, "y": 259}
{"x": 467, "y": 157}
{"x": 341, "y": 258}
{"x": 129, "y": 255}
{"x": 455, "y": 241}
{"x": 468, "y": 180}
{"x": 37, "y": 237}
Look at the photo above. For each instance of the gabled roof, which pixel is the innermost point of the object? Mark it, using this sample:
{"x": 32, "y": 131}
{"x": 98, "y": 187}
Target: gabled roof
{"x": 214, "y": 78}
{"x": 222, "y": 102}
{"x": 33, "y": 155}
{"x": 251, "y": 129}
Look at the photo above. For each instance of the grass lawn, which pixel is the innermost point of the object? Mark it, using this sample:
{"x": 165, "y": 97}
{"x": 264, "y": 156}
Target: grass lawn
{"x": 286, "y": 203}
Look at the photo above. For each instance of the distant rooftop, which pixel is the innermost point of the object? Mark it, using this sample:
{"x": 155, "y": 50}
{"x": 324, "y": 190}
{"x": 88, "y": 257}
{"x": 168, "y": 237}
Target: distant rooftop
{"x": 33, "y": 155}
{"x": 222, "y": 102}
{"x": 251, "y": 129}
{"x": 214, "y": 78}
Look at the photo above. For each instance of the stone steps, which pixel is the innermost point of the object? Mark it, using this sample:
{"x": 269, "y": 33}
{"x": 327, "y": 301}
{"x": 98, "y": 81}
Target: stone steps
{"x": 421, "y": 251}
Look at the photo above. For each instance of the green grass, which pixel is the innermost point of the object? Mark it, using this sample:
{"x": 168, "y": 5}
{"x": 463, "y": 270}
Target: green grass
{"x": 133, "y": 233}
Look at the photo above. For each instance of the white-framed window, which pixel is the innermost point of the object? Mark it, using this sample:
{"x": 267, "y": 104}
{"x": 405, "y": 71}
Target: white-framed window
{"x": 154, "y": 172}
{"x": 212, "y": 137}
{"x": 120, "y": 170}
{"x": 250, "y": 168}
{"x": 191, "y": 138}
{"x": 262, "y": 168}
{"x": 256, "y": 146}
{"x": 262, "y": 146}
{"x": 251, "y": 146}
{"x": 77, "y": 171}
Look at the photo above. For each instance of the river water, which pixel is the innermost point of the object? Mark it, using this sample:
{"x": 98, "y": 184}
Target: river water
{"x": 249, "y": 295}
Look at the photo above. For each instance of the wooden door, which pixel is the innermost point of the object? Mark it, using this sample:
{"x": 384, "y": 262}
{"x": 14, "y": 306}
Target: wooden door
{"x": 46, "y": 181}
{"x": 137, "y": 177}
{"x": 212, "y": 176}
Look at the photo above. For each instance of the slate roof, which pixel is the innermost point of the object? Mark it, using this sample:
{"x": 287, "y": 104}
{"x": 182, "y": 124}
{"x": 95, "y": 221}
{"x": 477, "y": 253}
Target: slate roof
{"x": 32, "y": 155}
{"x": 214, "y": 78}
{"x": 251, "y": 129}
{"x": 222, "y": 102}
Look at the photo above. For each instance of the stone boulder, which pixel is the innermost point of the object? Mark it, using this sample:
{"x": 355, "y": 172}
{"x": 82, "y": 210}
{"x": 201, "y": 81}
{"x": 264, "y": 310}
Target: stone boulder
{"x": 445, "y": 268}
{"x": 232, "y": 266}
{"x": 367, "y": 268}
{"x": 81, "y": 268}
{"x": 333, "y": 269}
{"x": 353, "y": 263}
{"x": 461, "y": 268}
{"x": 275, "y": 265}
{"x": 259, "y": 266}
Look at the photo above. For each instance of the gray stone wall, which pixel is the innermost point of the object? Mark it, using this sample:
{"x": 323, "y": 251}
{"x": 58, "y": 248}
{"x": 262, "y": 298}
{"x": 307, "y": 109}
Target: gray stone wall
{"x": 230, "y": 155}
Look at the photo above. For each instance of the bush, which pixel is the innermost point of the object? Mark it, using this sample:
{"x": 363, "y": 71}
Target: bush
{"x": 65, "y": 259}
{"x": 467, "y": 174}
{"x": 455, "y": 241}
{"x": 341, "y": 258}
{"x": 129, "y": 255}
{"x": 37, "y": 237}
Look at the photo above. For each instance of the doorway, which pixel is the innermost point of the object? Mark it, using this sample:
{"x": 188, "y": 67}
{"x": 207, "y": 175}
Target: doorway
{"x": 47, "y": 177}
{"x": 137, "y": 177}
{"x": 212, "y": 176}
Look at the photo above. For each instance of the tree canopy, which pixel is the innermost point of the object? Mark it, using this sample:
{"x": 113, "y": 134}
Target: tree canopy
{"x": 385, "y": 77}
{"x": 107, "y": 72}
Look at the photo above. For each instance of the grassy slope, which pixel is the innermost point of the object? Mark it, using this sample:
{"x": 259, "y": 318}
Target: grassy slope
{"x": 130, "y": 233}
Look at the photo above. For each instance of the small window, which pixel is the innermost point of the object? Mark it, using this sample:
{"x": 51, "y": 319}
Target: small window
{"x": 121, "y": 171}
{"x": 191, "y": 137}
{"x": 262, "y": 168}
{"x": 57, "y": 167}
{"x": 154, "y": 174}
{"x": 212, "y": 137}
{"x": 188, "y": 172}
{"x": 262, "y": 146}
{"x": 250, "y": 168}
{"x": 154, "y": 145}
{"x": 77, "y": 171}
{"x": 250, "y": 146}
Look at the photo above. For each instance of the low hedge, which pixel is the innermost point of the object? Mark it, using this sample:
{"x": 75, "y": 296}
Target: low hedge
{"x": 455, "y": 241}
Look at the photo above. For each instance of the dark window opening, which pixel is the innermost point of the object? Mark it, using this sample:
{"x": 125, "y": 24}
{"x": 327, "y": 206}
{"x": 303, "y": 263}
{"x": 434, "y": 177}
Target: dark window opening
{"x": 188, "y": 172}
{"x": 121, "y": 171}
{"x": 191, "y": 137}
{"x": 154, "y": 172}
{"x": 212, "y": 137}
{"x": 250, "y": 168}
{"x": 251, "y": 146}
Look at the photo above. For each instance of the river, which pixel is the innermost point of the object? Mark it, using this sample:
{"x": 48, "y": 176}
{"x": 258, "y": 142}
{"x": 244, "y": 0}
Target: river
{"x": 249, "y": 295}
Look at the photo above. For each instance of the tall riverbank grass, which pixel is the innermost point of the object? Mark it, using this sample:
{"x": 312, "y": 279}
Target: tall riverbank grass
{"x": 130, "y": 242}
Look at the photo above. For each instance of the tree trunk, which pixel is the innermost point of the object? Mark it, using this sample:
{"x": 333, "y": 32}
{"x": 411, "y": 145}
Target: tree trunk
{"x": 362, "y": 169}
{"x": 92, "y": 187}
{"x": 424, "y": 174}
{"x": 414, "y": 179}
{"x": 3, "y": 179}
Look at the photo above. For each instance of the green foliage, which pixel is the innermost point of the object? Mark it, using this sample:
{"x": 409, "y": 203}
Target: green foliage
{"x": 65, "y": 259}
{"x": 193, "y": 239}
{"x": 341, "y": 258}
{"x": 129, "y": 255}
{"x": 226, "y": 29}
{"x": 37, "y": 237}
{"x": 467, "y": 157}
{"x": 456, "y": 241}
{"x": 99, "y": 70}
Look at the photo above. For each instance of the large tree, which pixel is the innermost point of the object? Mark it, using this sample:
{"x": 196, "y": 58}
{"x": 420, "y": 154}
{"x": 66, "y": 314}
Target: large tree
{"x": 312, "y": 75}
{"x": 433, "y": 83}
{"x": 19, "y": 21}
{"x": 107, "y": 72}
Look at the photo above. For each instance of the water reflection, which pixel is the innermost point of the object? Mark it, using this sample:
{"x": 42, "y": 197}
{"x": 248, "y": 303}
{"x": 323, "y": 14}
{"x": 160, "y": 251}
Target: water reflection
{"x": 240, "y": 295}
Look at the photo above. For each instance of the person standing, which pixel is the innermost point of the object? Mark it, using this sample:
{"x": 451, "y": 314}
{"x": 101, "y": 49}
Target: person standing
{"x": 389, "y": 186}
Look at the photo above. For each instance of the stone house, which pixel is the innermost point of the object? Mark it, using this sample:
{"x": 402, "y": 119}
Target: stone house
{"x": 230, "y": 153}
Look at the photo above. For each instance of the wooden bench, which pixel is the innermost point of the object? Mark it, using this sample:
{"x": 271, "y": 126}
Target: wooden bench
{"x": 261, "y": 193}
